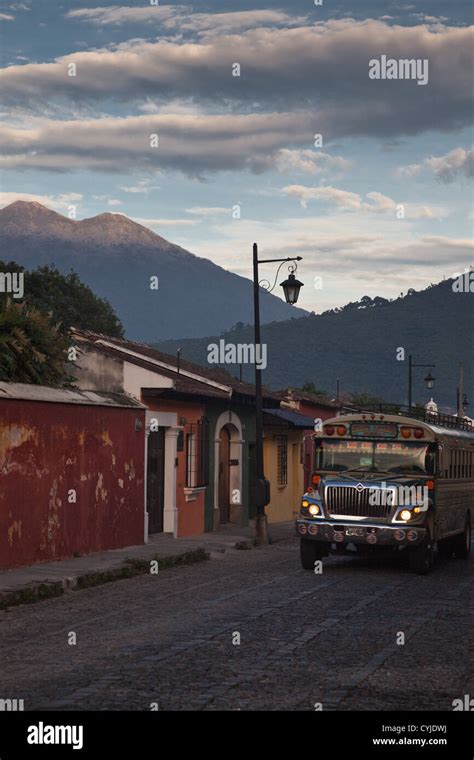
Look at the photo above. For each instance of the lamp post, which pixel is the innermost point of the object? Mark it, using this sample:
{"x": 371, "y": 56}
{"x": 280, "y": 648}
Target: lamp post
{"x": 461, "y": 396}
{"x": 291, "y": 287}
{"x": 429, "y": 379}
{"x": 462, "y": 404}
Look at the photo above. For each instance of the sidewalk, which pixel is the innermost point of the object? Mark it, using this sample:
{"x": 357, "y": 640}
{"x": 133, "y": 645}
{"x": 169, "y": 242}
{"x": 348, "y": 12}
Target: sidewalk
{"x": 41, "y": 581}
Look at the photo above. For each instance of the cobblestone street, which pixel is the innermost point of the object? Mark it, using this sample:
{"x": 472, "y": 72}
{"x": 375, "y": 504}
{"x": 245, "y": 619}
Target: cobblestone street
{"x": 305, "y": 639}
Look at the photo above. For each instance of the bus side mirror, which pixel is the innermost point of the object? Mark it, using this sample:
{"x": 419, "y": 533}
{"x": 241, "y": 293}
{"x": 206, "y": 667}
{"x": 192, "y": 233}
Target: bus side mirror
{"x": 440, "y": 465}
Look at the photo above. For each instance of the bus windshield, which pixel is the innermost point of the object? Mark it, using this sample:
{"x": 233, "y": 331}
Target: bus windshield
{"x": 376, "y": 456}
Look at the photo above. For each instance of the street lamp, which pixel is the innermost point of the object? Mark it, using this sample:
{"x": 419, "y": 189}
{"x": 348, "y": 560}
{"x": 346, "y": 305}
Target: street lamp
{"x": 462, "y": 405}
{"x": 291, "y": 288}
{"x": 429, "y": 379}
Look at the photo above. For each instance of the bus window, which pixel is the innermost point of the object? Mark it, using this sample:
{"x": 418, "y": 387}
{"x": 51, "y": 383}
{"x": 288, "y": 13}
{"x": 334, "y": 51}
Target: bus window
{"x": 388, "y": 456}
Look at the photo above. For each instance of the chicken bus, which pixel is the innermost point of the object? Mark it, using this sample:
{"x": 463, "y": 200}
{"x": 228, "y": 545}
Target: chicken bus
{"x": 389, "y": 482}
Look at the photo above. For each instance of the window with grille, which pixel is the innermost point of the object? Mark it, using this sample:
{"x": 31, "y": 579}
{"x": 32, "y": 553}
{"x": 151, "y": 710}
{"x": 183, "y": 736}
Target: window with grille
{"x": 197, "y": 454}
{"x": 282, "y": 459}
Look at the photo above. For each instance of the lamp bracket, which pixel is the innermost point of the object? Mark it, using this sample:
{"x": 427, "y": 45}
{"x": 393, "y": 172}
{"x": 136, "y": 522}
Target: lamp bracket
{"x": 265, "y": 284}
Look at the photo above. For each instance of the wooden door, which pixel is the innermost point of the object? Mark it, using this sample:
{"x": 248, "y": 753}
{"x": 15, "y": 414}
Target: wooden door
{"x": 156, "y": 480}
{"x": 224, "y": 460}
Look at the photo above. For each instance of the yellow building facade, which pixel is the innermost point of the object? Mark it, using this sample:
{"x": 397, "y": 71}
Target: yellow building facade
{"x": 283, "y": 462}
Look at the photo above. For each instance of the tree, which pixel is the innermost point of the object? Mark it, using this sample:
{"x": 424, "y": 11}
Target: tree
{"x": 32, "y": 348}
{"x": 67, "y": 299}
{"x": 309, "y": 387}
{"x": 367, "y": 400}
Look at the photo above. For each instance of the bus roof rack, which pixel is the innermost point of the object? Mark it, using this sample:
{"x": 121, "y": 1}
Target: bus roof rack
{"x": 417, "y": 413}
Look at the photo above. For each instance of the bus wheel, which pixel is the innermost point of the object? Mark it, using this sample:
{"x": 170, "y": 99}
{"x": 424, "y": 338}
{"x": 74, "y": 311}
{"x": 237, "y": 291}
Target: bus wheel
{"x": 462, "y": 543}
{"x": 310, "y": 552}
{"x": 422, "y": 558}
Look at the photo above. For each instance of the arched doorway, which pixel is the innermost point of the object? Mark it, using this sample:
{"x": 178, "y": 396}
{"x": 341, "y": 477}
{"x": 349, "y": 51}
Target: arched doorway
{"x": 224, "y": 475}
{"x": 228, "y": 469}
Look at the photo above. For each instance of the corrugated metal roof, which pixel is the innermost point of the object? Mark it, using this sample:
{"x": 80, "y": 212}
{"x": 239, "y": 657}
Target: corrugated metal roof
{"x": 26, "y": 392}
{"x": 294, "y": 418}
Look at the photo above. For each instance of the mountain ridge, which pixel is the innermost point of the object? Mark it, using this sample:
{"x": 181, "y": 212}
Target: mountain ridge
{"x": 359, "y": 344}
{"x": 117, "y": 257}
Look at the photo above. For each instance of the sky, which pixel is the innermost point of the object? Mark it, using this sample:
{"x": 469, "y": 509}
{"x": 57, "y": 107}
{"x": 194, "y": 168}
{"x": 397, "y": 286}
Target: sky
{"x": 201, "y": 122}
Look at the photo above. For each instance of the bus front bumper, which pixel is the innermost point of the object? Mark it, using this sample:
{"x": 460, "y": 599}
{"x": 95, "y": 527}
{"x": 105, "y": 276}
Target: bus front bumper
{"x": 368, "y": 534}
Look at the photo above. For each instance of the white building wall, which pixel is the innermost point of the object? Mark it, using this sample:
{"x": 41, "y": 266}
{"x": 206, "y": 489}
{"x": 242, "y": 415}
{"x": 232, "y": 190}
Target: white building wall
{"x": 136, "y": 378}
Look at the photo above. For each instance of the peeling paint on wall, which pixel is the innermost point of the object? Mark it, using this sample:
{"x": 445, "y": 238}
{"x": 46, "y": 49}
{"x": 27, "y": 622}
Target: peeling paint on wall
{"x": 47, "y": 451}
{"x": 50, "y": 530}
{"x": 12, "y": 436}
{"x": 106, "y": 438}
{"x": 14, "y": 528}
{"x": 130, "y": 470}
{"x": 99, "y": 489}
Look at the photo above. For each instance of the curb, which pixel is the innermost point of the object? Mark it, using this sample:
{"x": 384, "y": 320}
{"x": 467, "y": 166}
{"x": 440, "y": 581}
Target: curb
{"x": 38, "y": 591}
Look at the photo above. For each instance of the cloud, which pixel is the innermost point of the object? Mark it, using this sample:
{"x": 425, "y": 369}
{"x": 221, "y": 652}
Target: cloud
{"x": 328, "y": 62}
{"x": 166, "y": 222}
{"x": 349, "y": 201}
{"x": 209, "y": 210}
{"x": 183, "y": 18}
{"x": 342, "y": 198}
{"x": 55, "y": 202}
{"x": 144, "y": 187}
{"x": 116, "y": 14}
{"x": 306, "y": 161}
{"x": 376, "y": 261}
{"x": 6, "y": 17}
{"x": 409, "y": 171}
{"x": 193, "y": 144}
{"x": 447, "y": 168}
{"x": 430, "y": 19}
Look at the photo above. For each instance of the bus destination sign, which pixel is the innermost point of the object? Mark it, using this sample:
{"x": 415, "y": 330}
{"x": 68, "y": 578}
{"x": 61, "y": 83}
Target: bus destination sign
{"x": 374, "y": 429}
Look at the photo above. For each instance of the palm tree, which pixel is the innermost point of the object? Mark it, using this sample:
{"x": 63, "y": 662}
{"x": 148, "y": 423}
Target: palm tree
{"x": 32, "y": 348}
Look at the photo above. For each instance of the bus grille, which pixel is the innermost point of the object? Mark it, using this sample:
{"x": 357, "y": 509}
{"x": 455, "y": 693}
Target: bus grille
{"x": 347, "y": 500}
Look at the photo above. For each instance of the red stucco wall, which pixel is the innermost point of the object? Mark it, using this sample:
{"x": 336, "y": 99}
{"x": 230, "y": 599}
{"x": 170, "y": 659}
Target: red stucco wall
{"x": 47, "y": 449}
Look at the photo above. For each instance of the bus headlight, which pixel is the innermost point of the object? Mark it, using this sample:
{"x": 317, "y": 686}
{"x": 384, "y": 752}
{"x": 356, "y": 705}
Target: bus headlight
{"x": 405, "y": 515}
{"x": 314, "y": 510}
